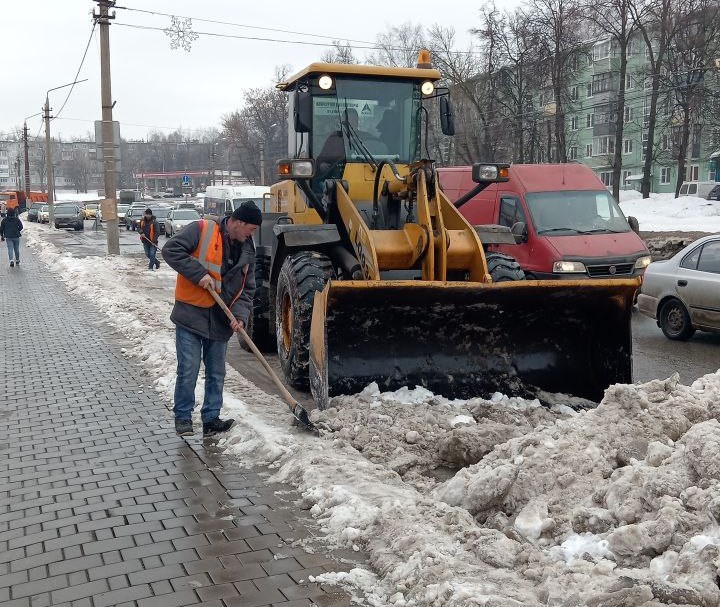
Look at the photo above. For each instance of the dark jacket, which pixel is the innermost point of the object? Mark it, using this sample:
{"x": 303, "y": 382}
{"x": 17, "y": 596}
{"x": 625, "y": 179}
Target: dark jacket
{"x": 212, "y": 322}
{"x": 145, "y": 229}
{"x": 10, "y": 227}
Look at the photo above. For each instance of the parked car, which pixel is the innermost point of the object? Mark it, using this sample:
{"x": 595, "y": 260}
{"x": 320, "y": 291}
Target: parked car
{"x": 91, "y": 210}
{"x": 43, "y": 214}
{"x": 701, "y": 189}
{"x": 69, "y": 216}
{"x": 32, "y": 214}
{"x": 714, "y": 193}
{"x": 177, "y": 219}
{"x": 135, "y": 214}
{"x": 161, "y": 214}
{"x": 683, "y": 293}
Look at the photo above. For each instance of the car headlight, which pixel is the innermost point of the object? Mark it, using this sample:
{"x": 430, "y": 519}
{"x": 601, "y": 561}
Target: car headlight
{"x": 569, "y": 267}
{"x": 642, "y": 262}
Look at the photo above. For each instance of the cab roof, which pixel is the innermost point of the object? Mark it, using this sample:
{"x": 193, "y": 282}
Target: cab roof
{"x": 341, "y": 69}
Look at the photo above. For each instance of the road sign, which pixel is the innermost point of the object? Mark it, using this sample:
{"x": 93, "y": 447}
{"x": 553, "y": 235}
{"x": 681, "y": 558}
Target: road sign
{"x": 186, "y": 180}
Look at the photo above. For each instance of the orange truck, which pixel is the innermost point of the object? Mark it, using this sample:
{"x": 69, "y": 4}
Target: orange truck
{"x": 18, "y": 199}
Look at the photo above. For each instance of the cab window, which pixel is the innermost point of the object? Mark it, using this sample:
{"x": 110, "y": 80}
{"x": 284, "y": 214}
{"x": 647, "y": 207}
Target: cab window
{"x": 511, "y": 211}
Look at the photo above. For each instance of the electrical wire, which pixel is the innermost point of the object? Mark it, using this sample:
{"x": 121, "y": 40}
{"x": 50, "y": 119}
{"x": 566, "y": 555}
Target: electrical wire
{"x": 82, "y": 61}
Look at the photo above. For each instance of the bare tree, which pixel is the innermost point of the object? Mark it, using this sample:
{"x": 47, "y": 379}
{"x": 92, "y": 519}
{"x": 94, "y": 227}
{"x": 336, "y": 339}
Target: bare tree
{"x": 561, "y": 25}
{"x": 688, "y": 61}
{"x": 79, "y": 170}
{"x": 614, "y": 19}
{"x": 656, "y": 21}
{"x": 340, "y": 53}
{"x": 398, "y": 46}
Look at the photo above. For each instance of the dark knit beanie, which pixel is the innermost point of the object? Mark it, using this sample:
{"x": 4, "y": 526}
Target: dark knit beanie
{"x": 248, "y": 212}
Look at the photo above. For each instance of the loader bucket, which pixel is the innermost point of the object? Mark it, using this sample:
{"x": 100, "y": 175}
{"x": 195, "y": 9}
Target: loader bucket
{"x": 464, "y": 340}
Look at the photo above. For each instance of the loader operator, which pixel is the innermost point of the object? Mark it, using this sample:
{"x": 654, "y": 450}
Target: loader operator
{"x": 333, "y": 151}
{"x": 220, "y": 256}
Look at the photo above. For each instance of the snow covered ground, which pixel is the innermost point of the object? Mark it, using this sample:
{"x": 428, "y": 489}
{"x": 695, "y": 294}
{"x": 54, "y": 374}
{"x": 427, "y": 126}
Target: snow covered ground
{"x": 664, "y": 212}
{"x": 72, "y": 196}
{"x": 493, "y": 503}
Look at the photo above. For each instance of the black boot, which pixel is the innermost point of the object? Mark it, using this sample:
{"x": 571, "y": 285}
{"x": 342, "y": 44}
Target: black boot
{"x": 217, "y": 425}
{"x": 183, "y": 427}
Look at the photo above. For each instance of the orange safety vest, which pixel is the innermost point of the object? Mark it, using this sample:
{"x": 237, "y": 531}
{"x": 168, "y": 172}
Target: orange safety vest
{"x": 152, "y": 230}
{"x": 209, "y": 253}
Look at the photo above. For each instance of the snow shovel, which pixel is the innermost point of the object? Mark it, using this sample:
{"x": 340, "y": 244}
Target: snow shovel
{"x": 295, "y": 407}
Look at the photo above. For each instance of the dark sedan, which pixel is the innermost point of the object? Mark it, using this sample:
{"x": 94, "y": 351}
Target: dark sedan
{"x": 135, "y": 214}
{"x": 69, "y": 216}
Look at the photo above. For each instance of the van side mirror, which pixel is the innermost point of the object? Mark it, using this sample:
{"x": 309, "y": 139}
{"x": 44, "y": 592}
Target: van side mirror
{"x": 447, "y": 118}
{"x": 634, "y": 224}
{"x": 520, "y": 232}
{"x": 302, "y": 111}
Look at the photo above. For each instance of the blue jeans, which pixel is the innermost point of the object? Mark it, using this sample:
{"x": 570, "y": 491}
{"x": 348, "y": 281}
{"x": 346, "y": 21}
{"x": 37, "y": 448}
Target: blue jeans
{"x": 13, "y": 244}
{"x": 190, "y": 348}
{"x": 150, "y": 251}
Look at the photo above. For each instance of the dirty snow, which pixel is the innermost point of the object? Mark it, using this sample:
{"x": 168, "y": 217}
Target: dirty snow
{"x": 664, "y": 212}
{"x": 497, "y": 502}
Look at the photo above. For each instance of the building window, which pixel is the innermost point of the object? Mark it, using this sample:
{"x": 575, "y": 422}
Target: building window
{"x": 693, "y": 172}
{"x": 606, "y": 178}
{"x": 573, "y": 153}
{"x": 628, "y": 82}
{"x": 589, "y": 120}
{"x": 602, "y": 83}
{"x": 588, "y": 150}
{"x": 601, "y": 50}
{"x": 603, "y": 145}
{"x": 665, "y": 175}
{"x": 3, "y": 153}
{"x": 588, "y": 89}
{"x": 574, "y": 93}
{"x": 644, "y": 145}
{"x": 664, "y": 144}
{"x": 574, "y": 123}
{"x": 628, "y": 114}
{"x": 625, "y": 175}
{"x": 627, "y": 146}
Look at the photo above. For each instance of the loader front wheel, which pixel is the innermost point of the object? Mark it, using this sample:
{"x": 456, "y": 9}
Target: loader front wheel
{"x": 503, "y": 268}
{"x": 301, "y": 276}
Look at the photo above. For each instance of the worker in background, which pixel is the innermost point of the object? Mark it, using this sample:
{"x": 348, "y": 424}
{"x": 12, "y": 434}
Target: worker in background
{"x": 210, "y": 255}
{"x": 149, "y": 233}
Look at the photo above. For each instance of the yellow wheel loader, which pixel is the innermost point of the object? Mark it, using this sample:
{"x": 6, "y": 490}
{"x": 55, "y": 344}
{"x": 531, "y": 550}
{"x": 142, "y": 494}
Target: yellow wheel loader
{"x": 371, "y": 274}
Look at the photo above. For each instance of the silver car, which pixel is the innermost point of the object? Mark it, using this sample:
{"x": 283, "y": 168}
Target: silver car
{"x": 177, "y": 219}
{"x": 683, "y": 293}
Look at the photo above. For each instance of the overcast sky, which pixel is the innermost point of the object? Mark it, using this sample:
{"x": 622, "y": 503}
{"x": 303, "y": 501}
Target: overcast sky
{"x": 158, "y": 88}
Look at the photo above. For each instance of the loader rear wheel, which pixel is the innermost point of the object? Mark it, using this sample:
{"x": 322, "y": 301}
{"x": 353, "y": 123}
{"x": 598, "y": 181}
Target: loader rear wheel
{"x": 301, "y": 276}
{"x": 259, "y": 322}
{"x": 503, "y": 268}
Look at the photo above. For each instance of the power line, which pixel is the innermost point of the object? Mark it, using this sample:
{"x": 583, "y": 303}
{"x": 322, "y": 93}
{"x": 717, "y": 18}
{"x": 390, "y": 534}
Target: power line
{"x": 232, "y": 24}
{"x": 82, "y": 61}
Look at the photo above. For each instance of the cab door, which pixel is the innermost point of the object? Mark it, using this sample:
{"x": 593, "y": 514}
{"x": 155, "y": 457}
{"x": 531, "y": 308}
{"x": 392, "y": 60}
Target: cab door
{"x": 510, "y": 211}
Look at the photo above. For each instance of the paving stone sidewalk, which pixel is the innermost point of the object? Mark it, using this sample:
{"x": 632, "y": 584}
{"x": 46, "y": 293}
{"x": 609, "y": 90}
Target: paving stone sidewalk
{"x": 100, "y": 502}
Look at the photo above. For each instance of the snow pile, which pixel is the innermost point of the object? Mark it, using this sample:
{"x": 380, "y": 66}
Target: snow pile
{"x": 72, "y": 196}
{"x": 494, "y": 503}
{"x": 664, "y": 212}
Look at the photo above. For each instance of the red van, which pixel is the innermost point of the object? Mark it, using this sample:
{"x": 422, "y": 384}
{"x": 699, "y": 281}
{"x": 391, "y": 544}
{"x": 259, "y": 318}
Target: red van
{"x": 566, "y": 223}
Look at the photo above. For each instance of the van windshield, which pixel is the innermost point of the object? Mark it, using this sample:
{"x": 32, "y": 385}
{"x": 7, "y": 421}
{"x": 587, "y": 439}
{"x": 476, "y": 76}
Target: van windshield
{"x": 568, "y": 213}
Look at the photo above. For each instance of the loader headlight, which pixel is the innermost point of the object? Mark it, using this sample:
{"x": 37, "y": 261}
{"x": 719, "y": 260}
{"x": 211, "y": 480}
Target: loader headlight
{"x": 569, "y": 267}
{"x": 642, "y": 262}
{"x": 325, "y": 82}
{"x": 296, "y": 168}
{"x": 484, "y": 173}
{"x": 427, "y": 87}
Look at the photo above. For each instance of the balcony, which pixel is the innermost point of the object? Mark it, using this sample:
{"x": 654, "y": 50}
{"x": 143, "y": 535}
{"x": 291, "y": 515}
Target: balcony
{"x": 607, "y": 128}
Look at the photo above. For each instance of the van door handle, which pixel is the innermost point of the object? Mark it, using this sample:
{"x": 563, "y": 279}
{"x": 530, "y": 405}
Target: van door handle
{"x": 682, "y": 283}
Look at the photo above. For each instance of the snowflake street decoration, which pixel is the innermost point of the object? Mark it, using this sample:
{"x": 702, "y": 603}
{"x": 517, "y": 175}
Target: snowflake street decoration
{"x": 180, "y": 33}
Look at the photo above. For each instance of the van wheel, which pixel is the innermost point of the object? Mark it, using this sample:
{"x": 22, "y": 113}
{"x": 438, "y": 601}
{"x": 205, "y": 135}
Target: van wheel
{"x": 675, "y": 321}
{"x": 301, "y": 276}
{"x": 503, "y": 268}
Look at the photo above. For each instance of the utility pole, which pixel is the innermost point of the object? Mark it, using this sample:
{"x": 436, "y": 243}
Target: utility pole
{"x": 27, "y": 162}
{"x": 109, "y": 206}
{"x": 48, "y": 161}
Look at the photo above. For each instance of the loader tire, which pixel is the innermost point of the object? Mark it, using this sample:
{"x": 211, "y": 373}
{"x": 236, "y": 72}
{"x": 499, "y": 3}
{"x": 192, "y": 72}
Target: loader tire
{"x": 259, "y": 322}
{"x": 301, "y": 276}
{"x": 503, "y": 268}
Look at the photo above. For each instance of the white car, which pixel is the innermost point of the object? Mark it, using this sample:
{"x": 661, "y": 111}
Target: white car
{"x": 177, "y": 219}
{"x": 683, "y": 293}
{"x": 44, "y": 214}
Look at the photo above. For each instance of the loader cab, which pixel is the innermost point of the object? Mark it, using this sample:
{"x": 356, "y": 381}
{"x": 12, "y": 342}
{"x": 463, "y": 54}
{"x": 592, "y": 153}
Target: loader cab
{"x": 349, "y": 118}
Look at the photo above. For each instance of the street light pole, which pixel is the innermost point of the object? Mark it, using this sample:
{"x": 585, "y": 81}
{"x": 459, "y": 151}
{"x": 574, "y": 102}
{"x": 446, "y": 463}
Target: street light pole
{"x": 48, "y": 152}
